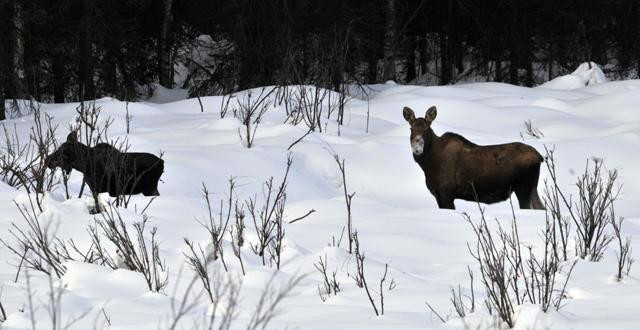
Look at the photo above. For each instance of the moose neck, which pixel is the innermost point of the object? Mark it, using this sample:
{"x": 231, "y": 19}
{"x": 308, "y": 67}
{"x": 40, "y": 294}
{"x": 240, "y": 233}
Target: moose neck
{"x": 82, "y": 157}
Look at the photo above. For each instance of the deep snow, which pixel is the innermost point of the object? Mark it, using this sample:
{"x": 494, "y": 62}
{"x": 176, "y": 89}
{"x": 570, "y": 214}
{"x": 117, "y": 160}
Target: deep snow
{"x": 397, "y": 219}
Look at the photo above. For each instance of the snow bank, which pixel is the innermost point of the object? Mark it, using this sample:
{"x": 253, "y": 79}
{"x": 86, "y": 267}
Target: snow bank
{"x": 587, "y": 74}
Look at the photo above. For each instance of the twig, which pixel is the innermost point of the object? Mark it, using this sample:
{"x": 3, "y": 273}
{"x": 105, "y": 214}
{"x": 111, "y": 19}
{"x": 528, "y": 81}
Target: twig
{"x": 300, "y": 139}
{"x": 434, "y": 312}
{"x": 302, "y": 217}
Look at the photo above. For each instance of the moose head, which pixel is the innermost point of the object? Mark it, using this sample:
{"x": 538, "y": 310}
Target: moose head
{"x": 67, "y": 156}
{"x": 420, "y": 129}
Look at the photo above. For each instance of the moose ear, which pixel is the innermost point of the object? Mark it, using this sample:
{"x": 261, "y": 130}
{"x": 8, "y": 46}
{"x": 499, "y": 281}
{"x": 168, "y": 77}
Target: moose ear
{"x": 431, "y": 114}
{"x": 408, "y": 114}
{"x": 72, "y": 137}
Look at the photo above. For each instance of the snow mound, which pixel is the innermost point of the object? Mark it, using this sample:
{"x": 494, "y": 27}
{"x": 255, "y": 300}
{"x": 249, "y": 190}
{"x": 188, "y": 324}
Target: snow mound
{"x": 587, "y": 74}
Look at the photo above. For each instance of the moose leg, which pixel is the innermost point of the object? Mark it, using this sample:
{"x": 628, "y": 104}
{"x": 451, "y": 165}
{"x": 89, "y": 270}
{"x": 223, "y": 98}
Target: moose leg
{"x": 535, "y": 200}
{"x": 528, "y": 197}
{"x": 151, "y": 188}
{"x": 527, "y": 190}
{"x": 153, "y": 192}
{"x": 445, "y": 202}
{"x": 524, "y": 199}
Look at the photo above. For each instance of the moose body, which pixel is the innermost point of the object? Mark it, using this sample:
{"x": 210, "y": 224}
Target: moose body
{"x": 456, "y": 168}
{"x": 106, "y": 169}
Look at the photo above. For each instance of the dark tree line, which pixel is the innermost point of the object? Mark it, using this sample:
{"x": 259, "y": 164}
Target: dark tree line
{"x": 69, "y": 50}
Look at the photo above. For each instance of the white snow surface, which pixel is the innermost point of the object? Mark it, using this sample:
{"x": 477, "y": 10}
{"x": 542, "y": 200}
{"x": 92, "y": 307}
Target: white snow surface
{"x": 587, "y": 74}
{"x": 396, "y": 217}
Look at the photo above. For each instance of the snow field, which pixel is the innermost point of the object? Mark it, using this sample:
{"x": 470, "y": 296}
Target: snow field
{"x": 397, "y": 219}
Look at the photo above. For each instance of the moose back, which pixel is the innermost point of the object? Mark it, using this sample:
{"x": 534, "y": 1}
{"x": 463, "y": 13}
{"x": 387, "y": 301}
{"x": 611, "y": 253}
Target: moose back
{"x": 106, "y": 169}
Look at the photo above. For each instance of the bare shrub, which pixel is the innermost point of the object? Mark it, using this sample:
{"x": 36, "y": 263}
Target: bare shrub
{"x": 224, "y": 105}
{"x": 624, "y": 250}
{"x": 458, "y": 303}
{"x": 91, "y": 131}
{"x": 561, "y": 224}
{"x": 134, "y": 252}
{"x": 341, "y": 105}
{"x": 15, "y": 160}
{"x": 250, "y": 110}
{"x": 531, "y": 131}
{"x": 43, "y": 137}
{"x": 3, "y": 312}
{"x": 52, "y": 304}
{"x": 596, "y": 195}
{"x": 36, "y": 245}
{"x": 223, "y": 291}
{"x": 237, "y": 234}
{"x": 217, "y": 229}
{"x": 268, "y": 218}
{"x": 310, "y": 105}
{"x": 591, "y": 211}
{"x": 305, "y": 104}
{"x": 265, "y": 220}
{"x": 330, "y": 285}
{"x": 285, "y": 97}
{"x": 270, "y": 299}
{"x": 223, "y": 297}
{"x": 88, "y": 126}
{"x": 217, "y": 286}
{"x": 276, "y": 246}
{"x": 347, "y": 198}
{"x": 22, "y": 165}
{"x": 361, "y": 280}
{"x": 511, "y": 278}
{"x": 129, "y": 118}
{"x": 363, "y": 92}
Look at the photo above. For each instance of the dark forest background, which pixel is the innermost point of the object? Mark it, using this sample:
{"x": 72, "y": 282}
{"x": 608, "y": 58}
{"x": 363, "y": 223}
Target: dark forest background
{"x": 70, "y": 50}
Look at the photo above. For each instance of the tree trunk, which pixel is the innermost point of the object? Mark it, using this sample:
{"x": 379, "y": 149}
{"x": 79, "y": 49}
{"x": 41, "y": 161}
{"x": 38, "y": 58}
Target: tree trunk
{"x": 109, "y": 73}
{"x": 636, "y": 32}
{"x": 498, "y": 63}
{"x": 389, "y": 51}
{"x": 424, "y": 60}
{"x": 86, "y": 86}
{"x": 372, "y": 69}
{"x": 164, "y": 56}
{"x": 515, "y": 42}
{"x": 455, "y": 45}
{"x": 14, "y": 81}
{"x": 4, "y": 57}
{"x": 411, "y": 59}
{"x": 527, "y": 56}
{"x": 58, "y": 78}
{"x": 2, "y": 107}
{"x": 18, "y": 50}
{"x": 445, "y": 64}
{"x": 448, "y": 38}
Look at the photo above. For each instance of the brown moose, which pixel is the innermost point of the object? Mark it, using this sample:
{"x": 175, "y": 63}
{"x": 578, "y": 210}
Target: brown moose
{"x": 456, "y": 168}
{"x": 106, "y": 169}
